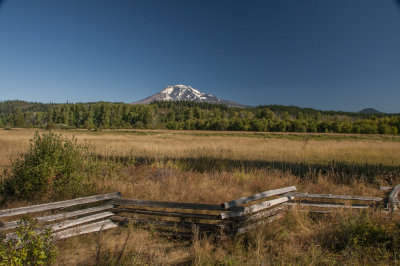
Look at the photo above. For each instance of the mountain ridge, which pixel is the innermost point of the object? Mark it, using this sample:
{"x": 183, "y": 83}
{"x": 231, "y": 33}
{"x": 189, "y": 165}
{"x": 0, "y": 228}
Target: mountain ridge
{"x": 186, "y": 93}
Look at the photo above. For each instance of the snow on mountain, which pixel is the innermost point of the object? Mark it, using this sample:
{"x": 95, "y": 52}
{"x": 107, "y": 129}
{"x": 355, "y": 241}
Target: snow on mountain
{"x": 185, "y": 93}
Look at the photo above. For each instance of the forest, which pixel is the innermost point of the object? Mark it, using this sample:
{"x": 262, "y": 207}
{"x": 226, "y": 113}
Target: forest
{"x": 192, "y": 116}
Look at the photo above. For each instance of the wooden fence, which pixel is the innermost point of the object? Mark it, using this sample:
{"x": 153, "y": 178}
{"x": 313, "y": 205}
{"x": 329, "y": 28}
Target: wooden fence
{"x": 184, "y": 219}
{"x": 392, "y": 200}
{"x": 90, "y": 218}
{"x": 187, "y": 219}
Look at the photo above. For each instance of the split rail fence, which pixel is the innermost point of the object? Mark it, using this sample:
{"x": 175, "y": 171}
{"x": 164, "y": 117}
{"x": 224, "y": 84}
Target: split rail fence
{"x": 91, "y": 213}
{"x": 107, "y": 211}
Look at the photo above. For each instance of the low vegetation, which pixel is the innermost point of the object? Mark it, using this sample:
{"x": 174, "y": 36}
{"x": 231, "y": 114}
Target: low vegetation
{"x": 213, "y": 167}
{"x": 31, "y": 247}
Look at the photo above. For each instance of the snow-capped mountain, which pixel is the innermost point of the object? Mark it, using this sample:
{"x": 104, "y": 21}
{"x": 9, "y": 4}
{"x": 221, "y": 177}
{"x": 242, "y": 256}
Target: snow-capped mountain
{"x": 185, "y": 93}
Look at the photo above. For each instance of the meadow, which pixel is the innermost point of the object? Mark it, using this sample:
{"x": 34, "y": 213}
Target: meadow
{"x": 213, "y": 167}
{"x": 168, "y": 144}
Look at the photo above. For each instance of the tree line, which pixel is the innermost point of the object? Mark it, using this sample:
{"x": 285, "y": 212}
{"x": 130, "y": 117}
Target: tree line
{"x": 193, "y": 116}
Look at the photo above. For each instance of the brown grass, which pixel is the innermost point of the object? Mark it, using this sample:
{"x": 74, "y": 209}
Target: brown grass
{"x": 290, "y": 241}
{"x": 123, "y": 246}
{"x": 165, "y": 144}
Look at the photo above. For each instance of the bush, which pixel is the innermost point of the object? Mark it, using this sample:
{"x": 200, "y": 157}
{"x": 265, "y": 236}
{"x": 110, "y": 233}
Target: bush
{"x": 31, "y": 247}
{"x": 50, "y": 166}
{"x": 361, "y": 231}
{"x": 363, "y": 238}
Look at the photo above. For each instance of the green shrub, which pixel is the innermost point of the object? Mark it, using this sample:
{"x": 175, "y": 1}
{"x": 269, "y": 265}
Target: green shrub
{"x": 363, "y": 238}
{"x": 360, "y": 231}
{"x": 30, "y": 248}
{"x": 51, "y": 166}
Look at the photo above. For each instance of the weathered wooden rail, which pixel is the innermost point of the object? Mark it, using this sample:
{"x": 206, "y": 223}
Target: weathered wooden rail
{"x": 315, "y": 202}
{"x": 392, "y": 200}
{"x": 88, "y": 219}
{"x": 187, "y": 219}
{"x": 184, "y": 219}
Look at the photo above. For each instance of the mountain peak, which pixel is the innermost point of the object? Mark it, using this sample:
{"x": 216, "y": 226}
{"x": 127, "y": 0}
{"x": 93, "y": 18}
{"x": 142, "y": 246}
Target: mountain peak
{"x": 182, "y": 92}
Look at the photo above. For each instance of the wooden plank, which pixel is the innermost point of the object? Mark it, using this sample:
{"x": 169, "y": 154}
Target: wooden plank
{"x": 264, "y": 194}
{"x": 263, "y": 214}
{"x": 85, "y": 229}
{"x": 392, "y": 197}
{"x": 170, "y": 214}
{"x": 172, "y": 205}
{"x": 68, "y": 223}
{"x": 255, "y": 208}
{"x": 326, "y": 211}
{"x": 266, "y": 204}
{"x": 180, "y": 225}
{"x": 247, "y": 228}
{"x": 327, "y": 205}
{"x": 60, "y": 216}
{"x": 330, "y": 196}
{"x": 162, "y": 223}
{"x": 386, "y": 188}
{"x": 57, "y": 205}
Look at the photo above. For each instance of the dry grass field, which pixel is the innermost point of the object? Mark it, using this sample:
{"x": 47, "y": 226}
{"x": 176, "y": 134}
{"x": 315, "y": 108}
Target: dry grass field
{"x": 292, "y": 148}
{"x": 175, "y": 166}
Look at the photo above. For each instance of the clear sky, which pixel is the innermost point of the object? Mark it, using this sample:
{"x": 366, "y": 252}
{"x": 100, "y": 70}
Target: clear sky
{"x": 330, "y": 55}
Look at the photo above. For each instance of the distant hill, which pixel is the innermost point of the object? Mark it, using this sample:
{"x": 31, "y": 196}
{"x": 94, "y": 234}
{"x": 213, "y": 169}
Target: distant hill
{"x": 186, "y": 93}
{"x": 369, "y": 111}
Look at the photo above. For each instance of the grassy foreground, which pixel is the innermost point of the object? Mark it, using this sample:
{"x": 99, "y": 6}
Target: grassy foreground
{"x": 213, "y": 167}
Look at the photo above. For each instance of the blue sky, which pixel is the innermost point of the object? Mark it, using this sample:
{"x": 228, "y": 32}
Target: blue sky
{"x": 330, "y": 55}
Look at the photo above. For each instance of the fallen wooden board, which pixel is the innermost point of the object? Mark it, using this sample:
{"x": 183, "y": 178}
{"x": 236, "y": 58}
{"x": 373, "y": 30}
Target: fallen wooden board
{"x": 198, "y": 216}
{"x": 172, "y": 205}
{"x": 57, "y": 205}
{"x": 162, "y": 223}
{"x": 386, "y": 188}
{"x": 330, "y": 196}
{"x": 326, "y": 205}
{"x": 60, "y": 216}
{"x": 255, "y": 208}
{"x": 327, "y": 212}
{"x": 169, "y": 229}
{"x": 244, "y": 200}
{"x": 85, "y": 229}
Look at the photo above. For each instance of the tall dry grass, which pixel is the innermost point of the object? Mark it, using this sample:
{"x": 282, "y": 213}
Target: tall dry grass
{"x": 297, "y": 239}
{"x": 165, "y": 144}
{"x": 170, "y": 180}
